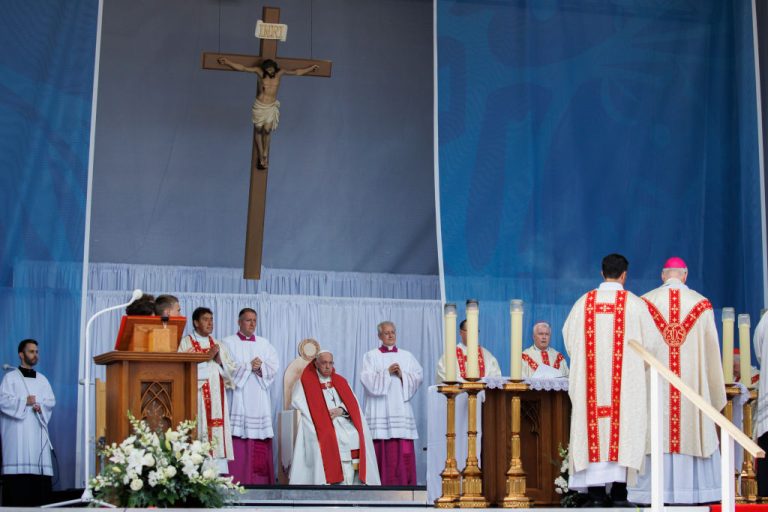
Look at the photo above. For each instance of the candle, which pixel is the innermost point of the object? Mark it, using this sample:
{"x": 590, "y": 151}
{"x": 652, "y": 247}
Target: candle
{"x": 473, "y": 314}
{"x": 516, "y": 338}
{"x": 449, "y": 329}
{"x": 745, "y": 358}
{"x": 729, "y": 315}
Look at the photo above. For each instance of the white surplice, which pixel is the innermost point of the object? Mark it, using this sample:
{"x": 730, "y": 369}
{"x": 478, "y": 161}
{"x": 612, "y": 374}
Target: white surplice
{"x": 533, "y": 358}
{"x": 220, "y": 432}
{"x": 25, "y": 445}
{"x": 250, "y": 412}
{"x": 690, "y": 445}
{"x": 610, "y": 457}
{"x": 492, "y": 368}
{"x": 307, "y": 465}
{"x": 387, "y": 397}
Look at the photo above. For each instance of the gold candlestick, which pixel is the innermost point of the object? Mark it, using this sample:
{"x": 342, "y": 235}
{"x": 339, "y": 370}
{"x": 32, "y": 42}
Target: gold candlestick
{"x": 472, "y": 476}
{"x": 450, "y": 475}
{"x": 516, "y": 482}
{"x": 748, "y": 481}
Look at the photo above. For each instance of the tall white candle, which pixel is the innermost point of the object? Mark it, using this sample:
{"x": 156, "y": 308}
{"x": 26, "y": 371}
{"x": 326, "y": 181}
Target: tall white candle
{"x": 516, "y": 338}
{"x": 729, "y": 315}
{"x": 745, "y": 357}
{"x": 449, "y": 330}
{"x": 473, "y": 316}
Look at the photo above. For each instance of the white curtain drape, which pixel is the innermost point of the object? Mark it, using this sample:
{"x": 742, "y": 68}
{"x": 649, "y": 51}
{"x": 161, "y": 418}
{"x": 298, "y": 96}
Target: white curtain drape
{"x": 347, "y": 326}
{"x": 175, "y": 279}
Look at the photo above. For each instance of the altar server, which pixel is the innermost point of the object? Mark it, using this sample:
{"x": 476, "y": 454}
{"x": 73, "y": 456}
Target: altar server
{"x": 541, "y": 354}
{"x": 333, "y": 444}
{"x": 489, "y": 366}
{"x": 251, "y": 408}
{"x": 391, "y": 377}
{"x": 690, "y": 349}
{"x": 607, "y": 386}
{"x": 26, "y": 405}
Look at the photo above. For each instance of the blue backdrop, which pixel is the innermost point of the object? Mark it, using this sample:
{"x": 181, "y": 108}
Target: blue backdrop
{"x": 569, "y": 130}
{"x": 46, "y": 77}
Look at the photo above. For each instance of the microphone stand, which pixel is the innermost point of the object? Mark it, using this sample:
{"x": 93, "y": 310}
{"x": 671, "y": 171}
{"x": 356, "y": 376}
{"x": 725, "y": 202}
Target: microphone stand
{"x": 87, "y": 496}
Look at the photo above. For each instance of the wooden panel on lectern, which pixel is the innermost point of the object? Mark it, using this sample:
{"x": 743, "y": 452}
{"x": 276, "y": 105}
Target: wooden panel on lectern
{"x": 150, "y": 333}
{"x": 544, "y": 424}
{"x": 160, "y": 388}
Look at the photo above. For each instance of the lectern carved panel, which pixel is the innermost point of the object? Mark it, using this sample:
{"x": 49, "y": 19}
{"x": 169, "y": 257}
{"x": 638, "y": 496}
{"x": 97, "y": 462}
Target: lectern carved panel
{"x": 157, "y": 404}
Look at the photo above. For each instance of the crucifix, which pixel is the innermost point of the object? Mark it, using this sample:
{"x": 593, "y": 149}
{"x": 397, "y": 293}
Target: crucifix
{"x": 269, "y": 68}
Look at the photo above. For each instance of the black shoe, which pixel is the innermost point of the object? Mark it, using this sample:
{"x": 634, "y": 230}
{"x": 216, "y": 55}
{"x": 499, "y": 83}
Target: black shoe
{"x": 623, "y": 504}
{"x": 592, "y": 503}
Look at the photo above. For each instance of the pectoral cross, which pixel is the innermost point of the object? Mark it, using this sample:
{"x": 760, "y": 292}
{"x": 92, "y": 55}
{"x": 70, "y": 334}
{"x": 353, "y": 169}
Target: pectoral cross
{"x": 257, "y": 197}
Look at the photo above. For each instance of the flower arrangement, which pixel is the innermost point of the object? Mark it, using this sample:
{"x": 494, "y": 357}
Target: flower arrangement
{"x": 166, "y": 469}
{"x": 569, "y": 498}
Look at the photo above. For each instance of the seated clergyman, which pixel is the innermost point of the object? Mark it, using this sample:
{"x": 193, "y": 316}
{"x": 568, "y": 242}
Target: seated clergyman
{"x": 333, "y": 444}
{"x": 541, "y": 357}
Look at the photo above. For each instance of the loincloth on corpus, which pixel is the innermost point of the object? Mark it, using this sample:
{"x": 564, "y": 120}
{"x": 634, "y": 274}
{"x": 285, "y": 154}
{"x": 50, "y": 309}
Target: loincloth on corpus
{"x": 265, "y": 116}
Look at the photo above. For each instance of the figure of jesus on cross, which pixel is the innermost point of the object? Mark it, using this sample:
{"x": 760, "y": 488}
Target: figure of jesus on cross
{"x": 265, "y": 112}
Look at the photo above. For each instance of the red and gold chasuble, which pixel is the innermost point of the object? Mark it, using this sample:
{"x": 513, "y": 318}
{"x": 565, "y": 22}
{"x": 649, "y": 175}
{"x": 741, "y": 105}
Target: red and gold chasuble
{"x": 612, "y": 410}
{"x": 461, "y": 358}
{"x": 533, "y": 365}
{"x": 210, "y": 421}
{"x": 675, "y": 333}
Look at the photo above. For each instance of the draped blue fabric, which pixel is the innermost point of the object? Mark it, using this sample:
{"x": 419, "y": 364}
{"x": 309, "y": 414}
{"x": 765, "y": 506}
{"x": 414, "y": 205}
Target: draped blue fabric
{"x": 46, "y": 79}
{"x": 571, "y": 130}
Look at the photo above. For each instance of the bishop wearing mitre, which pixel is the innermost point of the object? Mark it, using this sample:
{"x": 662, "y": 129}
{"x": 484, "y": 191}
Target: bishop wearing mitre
{"x": 333, "y": 444}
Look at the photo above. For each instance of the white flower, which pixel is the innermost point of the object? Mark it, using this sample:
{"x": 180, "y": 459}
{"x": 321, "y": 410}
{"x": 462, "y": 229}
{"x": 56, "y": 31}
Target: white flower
{"x": 558, "y": 490}
{"x": 136, "y": 484}
{"x": 190, "y": 470}
{"x": 172, "y": 436}
{"x": 209, "y": 474}
{"x": 196, "y": 458}
{"x": 152, "y": 478}
{"x": 170, "y": 472}
{"x": 148, "y": 460}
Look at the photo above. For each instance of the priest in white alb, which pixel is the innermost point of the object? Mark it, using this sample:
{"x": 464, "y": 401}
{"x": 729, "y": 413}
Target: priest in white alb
{"x": 689, "y": 347}
{"x": 760, "y": 433}
{"x": 26, "y": 405}
{"x": 607, "y": 386}
{"x": 391, "y": 377}
{"x": 250, "y": 414}
{"x": 333, "y": 444}
{"x": 489, "y": 366}
{"x": 213, "y": 377}
{"x": 542, "y": 355}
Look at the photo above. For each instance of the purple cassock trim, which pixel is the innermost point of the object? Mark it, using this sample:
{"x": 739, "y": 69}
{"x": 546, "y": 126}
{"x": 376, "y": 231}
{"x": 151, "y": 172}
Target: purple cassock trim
{"x": 243, "y": 337}
{"x": 384, "y": 349}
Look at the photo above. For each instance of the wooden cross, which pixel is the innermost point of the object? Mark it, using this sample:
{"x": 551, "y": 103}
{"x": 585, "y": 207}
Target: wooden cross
{"x": 257, "y": 197}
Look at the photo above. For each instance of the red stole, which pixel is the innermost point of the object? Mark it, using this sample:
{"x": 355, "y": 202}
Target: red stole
{"x": 210, "y": 421}
{"x": 326, "y": 434}
{"x": 462, "y": 360}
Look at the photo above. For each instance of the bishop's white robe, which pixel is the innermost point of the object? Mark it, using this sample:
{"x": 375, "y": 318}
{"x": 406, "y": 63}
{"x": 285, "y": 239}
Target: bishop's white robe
{"x": 25, "y": 445}
{"x": 489, "y": 368}
{"x": 307, "y": 465}
{"x": 387, "y": 398}
{"x": 533, "y": 358}
{"x": 250, "y": 412}
{"x": 688, "y": 345}
{"x": 607, "y": 385}
{"x": 760, "y": 341}
{"x": 212, "y": 408}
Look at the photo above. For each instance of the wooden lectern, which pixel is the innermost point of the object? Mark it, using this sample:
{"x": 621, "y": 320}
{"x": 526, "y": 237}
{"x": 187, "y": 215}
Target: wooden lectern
{"x": 159, "y": 387}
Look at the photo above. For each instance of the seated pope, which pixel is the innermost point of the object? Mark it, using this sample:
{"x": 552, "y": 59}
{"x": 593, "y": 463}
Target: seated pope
{"x": 540, "y": 360}
{"x": 333, "y": 444}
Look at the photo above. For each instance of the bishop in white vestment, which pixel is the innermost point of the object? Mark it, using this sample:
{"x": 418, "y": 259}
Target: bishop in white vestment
{"x": 391, "y": 377}
{"x": 541, "y": 354}
{"x": 212, "y": 379}
{"x": 26, "y": 405}
{"x": 333, "y": 444}
{"x": 489, "y": 366}
{"x": 760, "y": 341}
{"x": 607, "y": 386}
{"x": 689, "y": 347}
{"x": 250, "y": 413}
